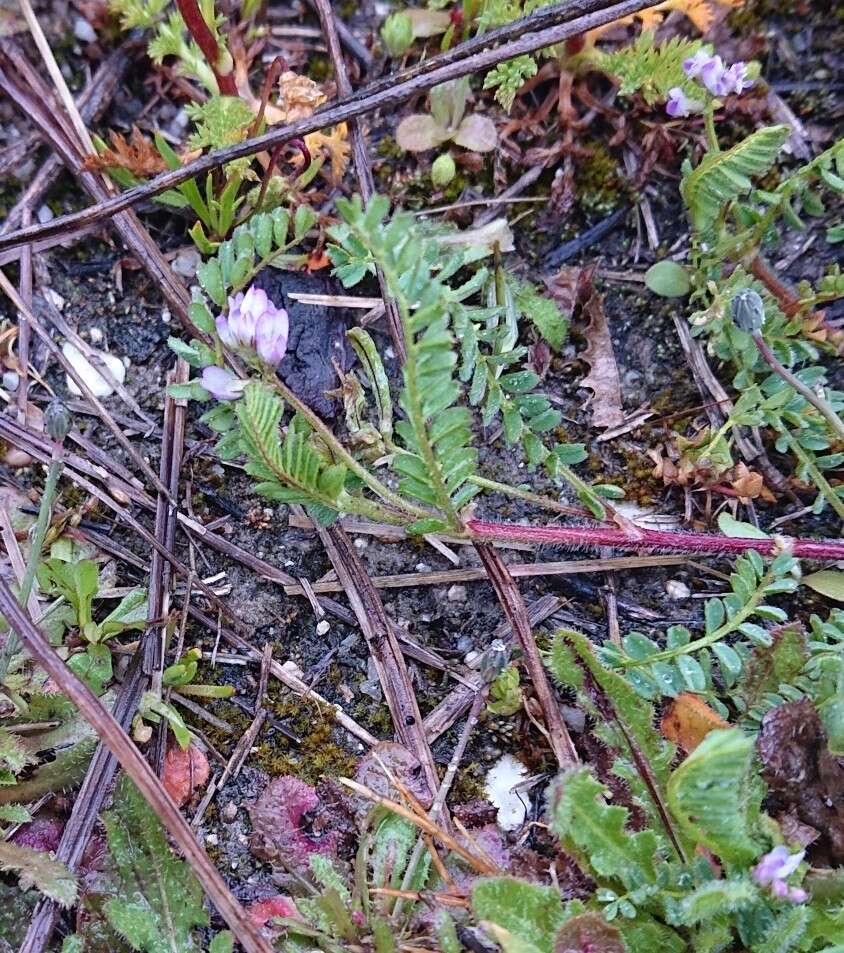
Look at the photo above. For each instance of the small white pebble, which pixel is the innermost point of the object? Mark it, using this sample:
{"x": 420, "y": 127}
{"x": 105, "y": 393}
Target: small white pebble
{"x": 361, "y": 542}
{"x": 423, "y": 567}
{"x": 186, "y": 263}
{"x": 292, "y": 668}
{"x": 83, "y": 30}
{"x": 470, "y": 657}
{"x": 83, "y": 367}
{"x": 11, "y": 381}
{"x": 96, "y": 335}
{"x": 166, "y": 317}
{"x": 677, "y": 589}
{"x": 323, "y": 627}
{"x": 389, "y": 352}
{"x": 212, "y": 839}
{"x": 54, "y": 298}
{"x": 456, "y": 594}
{"x": 44, "y": 215}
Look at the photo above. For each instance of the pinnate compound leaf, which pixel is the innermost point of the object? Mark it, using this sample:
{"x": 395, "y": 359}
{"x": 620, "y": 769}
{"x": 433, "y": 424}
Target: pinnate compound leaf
{"x": 37, "y": 868}
{"x": 709, "y": 795}
{"x": 723, "y": 176}
{"x": 159, "y": 903}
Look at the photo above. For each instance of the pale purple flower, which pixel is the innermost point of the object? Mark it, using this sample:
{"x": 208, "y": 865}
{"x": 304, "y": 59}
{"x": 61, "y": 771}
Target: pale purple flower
{"x": 694, "y": 65}
{"x": 221, "y": 384}
{"x": 719, "y": 79}
{"x": 254, "y": 323}
{"x": 678, "y": 104}
{"x": 773, "y": 870}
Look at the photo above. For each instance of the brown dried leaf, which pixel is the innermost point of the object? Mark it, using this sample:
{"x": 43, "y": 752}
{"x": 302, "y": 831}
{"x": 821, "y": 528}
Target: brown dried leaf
{"x": 602, "y": 379}
{"x": 137, "y": 155}
{"x": 185, "y": 771}
{"x": 298, "y": 97}
{"x": 589, "y": 933}
{"x": 688, "y": 720}
{"x": 802, "y": 774}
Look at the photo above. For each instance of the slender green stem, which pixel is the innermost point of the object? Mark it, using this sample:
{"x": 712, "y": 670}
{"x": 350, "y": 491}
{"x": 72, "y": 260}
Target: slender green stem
{"x": 544, "y": 501}
{"x": 33, "y": 561}
{"x": 729, "y": 626}
{"x": 341, "y": 453}
{"x": 709, "y": 128}
{"x": 821, "y": 482}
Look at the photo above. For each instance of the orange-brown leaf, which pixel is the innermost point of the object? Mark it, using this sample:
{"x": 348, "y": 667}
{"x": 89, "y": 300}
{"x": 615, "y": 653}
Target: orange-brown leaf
{"x": 185, "y": 771}
{"x": 688, "y": 720}
{"x": 137, "y": 155}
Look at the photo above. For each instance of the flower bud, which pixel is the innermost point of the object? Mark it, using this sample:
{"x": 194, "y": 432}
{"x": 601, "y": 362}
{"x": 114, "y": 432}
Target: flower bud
{"x": 57, "y": 420}
{"x": 443, "y": 170}
{"x": 748, "y": 311}
{"x": 397, "y": 34}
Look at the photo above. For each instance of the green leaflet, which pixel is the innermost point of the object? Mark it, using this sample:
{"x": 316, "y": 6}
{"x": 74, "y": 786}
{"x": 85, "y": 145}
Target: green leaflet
{"x": 159, "y": 902}
{"x": 529, "y": 912}
{"x": 290, "y": 470}
{"x": 596, "y": 833}
{"x": 37, "y": 868}
{"x": 709, "y": 797}
{"x": 723, "y": 176}
{"x": 715, "y": 898}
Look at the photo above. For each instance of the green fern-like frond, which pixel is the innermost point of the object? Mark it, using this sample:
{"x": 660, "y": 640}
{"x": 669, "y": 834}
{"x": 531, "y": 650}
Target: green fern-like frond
{"x": 288, "y": 470}
{"x": 220, "y": 121}
{"x": 711, "y": 798}
{"x": 723, "y": 176}
{"x": 137, "y": 13}
{"x": 649, "y": 69}
{"x": 508, "y": 77}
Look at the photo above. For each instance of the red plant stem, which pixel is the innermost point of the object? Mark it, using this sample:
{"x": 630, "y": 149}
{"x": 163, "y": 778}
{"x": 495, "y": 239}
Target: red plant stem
{"x": 650, "y": 539}
{"x": 207, "y": 42}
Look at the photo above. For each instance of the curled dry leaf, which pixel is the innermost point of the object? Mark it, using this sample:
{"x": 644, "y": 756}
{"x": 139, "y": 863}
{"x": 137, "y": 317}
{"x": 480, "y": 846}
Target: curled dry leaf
{"x": 137, "y": 155}
{"x": 185, "y": 771}
{"x": 428, "y": 22}
{"x": 688, "y": 720}
{"x": 603, "y": 378}
{"x": 803, "y": 776}
{"x": 281, "y": 829}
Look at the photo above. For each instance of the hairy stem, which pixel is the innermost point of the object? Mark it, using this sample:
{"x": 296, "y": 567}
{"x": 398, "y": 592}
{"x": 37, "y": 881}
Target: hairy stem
{"x": 652, "y": 539}
{"x": 821, "y": 482}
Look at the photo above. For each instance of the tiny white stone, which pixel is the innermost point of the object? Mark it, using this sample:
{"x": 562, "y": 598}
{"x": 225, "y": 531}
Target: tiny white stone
{"x": 44, "y": 215}
{"x": 423, "y": 567}
{"x": 96, "y": 335}
{"x": 323, "y": 627}
{"x": 456, "y": 594}
{"x": 361, "y": 542}
{"x": 677, "y": 589}
{"x": 11, "y": 380}
{"x": 83, "y": 367}
{"x": 292, "y": 668}
{"x": 470, "y": 657}
{"x": 506, "y": 774}
{"x": 83, "y": 30}
{"x": 166, "y": 317}
{"x": 212, "y": 839}
{"x": 186, "y": 263}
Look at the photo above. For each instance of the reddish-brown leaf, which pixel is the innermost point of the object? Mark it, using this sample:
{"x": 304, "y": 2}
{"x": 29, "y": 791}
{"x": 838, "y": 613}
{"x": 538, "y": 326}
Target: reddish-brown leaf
{"x": 137, "y": 155}
{"x": 184, "y": 772}
{"x": 688, "y": 720}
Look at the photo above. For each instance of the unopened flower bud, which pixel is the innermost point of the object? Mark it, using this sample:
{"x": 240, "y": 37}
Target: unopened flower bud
{"x": 443, "y": 170}
{"x": 57, "y": 420}
{"x": 748, "y": 311}
{"x": 397, "y": 34}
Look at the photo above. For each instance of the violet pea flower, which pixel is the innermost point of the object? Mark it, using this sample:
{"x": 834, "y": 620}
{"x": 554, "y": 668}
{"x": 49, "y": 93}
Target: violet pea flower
{"x": 678, "y": 104}
{"x": 221, "y": 384}
{"x": 774, "y": 868}
{"x": 254, "y": 324}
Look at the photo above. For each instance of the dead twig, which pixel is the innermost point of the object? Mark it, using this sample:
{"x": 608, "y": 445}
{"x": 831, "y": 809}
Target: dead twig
{"x": 574, "y": 18}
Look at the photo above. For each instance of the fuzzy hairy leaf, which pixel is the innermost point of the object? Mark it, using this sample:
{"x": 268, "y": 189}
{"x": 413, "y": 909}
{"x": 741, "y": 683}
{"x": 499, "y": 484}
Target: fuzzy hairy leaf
{"x": 596, "y": 832}
{"x": 723, "y": 176}
{"x": 160, "y": 902}
{"x": 37, "y": 868}
{"x": 715, "y": 898}
{"x": 543, "y": 313}
{"x": 14, "y": 756}
{"x": 530, "y": 912}
{"x": 709, "y": 795}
